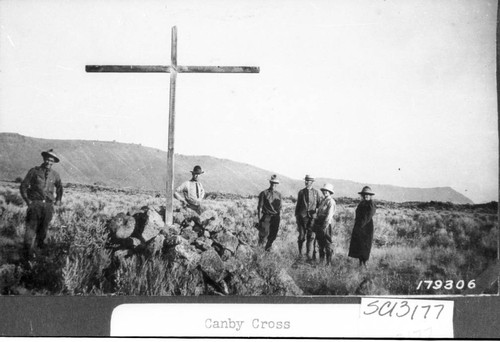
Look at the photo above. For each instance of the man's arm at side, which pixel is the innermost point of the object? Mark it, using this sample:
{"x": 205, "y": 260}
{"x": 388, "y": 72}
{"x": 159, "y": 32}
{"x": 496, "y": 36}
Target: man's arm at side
{"x": 59, "y": 189}
{"x": 25, "y": 185}
{"x": 259, "y": 206}
{"x": 202, "y": 192}
{"x": 299, "y": 199}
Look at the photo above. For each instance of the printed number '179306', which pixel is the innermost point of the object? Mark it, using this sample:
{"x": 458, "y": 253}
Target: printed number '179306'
{"x": 396, "y": 308}
{"x": 446, "y": 284}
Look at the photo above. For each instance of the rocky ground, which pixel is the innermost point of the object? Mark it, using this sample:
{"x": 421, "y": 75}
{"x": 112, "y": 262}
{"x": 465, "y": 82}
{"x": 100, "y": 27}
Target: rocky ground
{"x": 217, "y": 260}
{"x": 200, "y": 249}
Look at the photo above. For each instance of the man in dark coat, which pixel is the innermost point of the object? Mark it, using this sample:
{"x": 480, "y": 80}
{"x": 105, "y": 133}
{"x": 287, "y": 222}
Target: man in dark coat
{"x": 37, "y": 190}
{"x": 269, "y": 213}
{"x": 308, "y": 201}
{"x": 362, "y": 233}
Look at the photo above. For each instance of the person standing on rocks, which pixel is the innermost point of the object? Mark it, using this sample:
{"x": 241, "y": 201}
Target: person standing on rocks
{"x": 269, "y": 213}
{"x": 37, "y": 190}
{"x": 308, "y": 201}
{"x": 323, "y": 224}
{"x": 191, "y": 192}
{"x": 362, "y": 233}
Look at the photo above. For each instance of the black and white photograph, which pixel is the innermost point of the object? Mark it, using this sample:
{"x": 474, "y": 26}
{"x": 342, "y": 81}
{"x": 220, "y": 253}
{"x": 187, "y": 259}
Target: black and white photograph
{"x": 248, "y": 148}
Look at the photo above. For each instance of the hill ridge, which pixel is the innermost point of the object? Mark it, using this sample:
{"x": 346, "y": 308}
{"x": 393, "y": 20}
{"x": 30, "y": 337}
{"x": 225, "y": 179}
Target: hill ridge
{"x": 116, "y": 164}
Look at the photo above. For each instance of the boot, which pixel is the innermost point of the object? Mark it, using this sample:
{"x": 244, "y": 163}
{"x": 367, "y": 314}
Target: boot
{"x": 300, "y": 243}
{"x": 321, "y": 256}
{"x": 308, "y": 249}
{"x": 328, "y": 259}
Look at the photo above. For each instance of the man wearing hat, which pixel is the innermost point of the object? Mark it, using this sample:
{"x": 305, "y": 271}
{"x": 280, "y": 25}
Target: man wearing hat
{"x": 323, "y": 225}
{"x": 308, "y": 201}
{"x": 362, "y": 233}
{"x": 191, "y": 192}
{"x": 37, "y": 190}
{"x": 269, "y": 213}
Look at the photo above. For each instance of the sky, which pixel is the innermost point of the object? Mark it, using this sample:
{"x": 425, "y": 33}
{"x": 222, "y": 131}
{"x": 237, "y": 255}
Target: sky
{"x": 374, "y": 91}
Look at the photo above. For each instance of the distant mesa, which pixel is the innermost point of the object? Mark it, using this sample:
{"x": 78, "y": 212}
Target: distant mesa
{"x": 123, "y": 165}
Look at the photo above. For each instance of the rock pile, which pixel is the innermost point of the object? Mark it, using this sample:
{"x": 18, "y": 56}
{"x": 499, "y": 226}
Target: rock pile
{"x": 200, "y": 249}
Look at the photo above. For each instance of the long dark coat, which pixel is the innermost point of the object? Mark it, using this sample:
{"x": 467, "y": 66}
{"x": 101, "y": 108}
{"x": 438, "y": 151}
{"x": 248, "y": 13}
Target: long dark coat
{"x": 362, "y": 233}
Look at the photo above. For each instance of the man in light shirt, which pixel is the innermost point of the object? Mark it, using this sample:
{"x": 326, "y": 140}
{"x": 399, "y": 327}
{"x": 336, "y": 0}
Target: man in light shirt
{"x": 191, "y": 192}
{"x": 323, "y": 225}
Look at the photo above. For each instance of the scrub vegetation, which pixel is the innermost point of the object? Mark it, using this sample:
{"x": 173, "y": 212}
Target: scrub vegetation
{"x": 413, "y": 242}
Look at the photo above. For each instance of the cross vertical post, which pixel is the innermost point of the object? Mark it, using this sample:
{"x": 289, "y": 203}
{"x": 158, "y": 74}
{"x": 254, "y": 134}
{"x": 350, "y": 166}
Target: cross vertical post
{"x": 173, "y": 69}
{"x": 169, "y": 208}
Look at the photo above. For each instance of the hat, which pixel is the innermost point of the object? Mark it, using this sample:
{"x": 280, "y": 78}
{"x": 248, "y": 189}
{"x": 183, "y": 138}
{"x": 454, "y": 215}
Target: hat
{"x": 50, "y": 154}
{"x": 197, "y": 170}
{"x": 366, "y": 190}
{"x": 309, "y": 178}
{"x": 328, "y": 187}
{"x": 274, "y": 179}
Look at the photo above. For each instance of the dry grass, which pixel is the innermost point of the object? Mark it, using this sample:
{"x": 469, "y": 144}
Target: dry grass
{"x": 410, "y": 244}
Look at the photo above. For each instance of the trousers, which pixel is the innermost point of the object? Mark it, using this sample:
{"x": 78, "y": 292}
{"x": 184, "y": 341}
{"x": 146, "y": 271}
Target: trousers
{"x": 324, "y": 238}
{"x": 38, "y": 218}
{"x": 268, "y": 229}
{"x": 304, "y": 226}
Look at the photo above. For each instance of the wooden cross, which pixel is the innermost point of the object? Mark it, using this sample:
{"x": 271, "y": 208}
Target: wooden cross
{"x": 173, "y": 69}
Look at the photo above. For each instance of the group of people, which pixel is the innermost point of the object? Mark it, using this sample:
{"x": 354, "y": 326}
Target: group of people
{"x": 41, "y": 189}
{"x": 314, "y": 214}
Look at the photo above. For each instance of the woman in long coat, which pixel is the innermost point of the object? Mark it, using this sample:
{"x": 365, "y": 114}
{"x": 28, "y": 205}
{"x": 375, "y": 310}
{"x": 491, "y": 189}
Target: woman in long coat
{"x": 362, "y": 233}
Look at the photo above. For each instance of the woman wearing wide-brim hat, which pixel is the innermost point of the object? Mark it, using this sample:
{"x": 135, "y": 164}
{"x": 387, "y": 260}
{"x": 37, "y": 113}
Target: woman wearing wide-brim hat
{"x": 362, "y": 233}
{"x": 323, "y": 224}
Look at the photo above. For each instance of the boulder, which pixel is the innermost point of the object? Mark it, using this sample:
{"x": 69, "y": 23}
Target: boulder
{"x": 198, "y": 227}
{"x": 248, "y": 283}
{"x": 218, "y": 248}
{"x": 121, "y": 226}
{"x": 213, "y": 228}
{"x": 209, "y": 215}
{"x": 289, "y": 288}
{"x": 189, "y": 234}
{"x": 220, "y": 289}
{"x": 155, "y": 246}
{"x": 203, "y": 243}
{"x": 212, "y": 266}
{"x": 234, "y": 266}
{"x": 228, "y": 221}
{"x": 132, "y": 243}
{"x": 227, "y": 241}
{"x": 159, "y": 209}
{"x": 169, "y": 230}
{"x": 226, "y": 255}
{"x": 149, "y": 224}
{"x": 186, "y": 252}
{"x": 244, "y": 252}
{"x": 122, "y": 254}
{"x": 175, "y": 240}
{"x": 185, "y": 278}
{"x": 178, "y": 217}
{"x": 210, "y": 221}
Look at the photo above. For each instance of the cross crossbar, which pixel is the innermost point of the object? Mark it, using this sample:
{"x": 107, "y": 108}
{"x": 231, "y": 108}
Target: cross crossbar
{"x": 169, "y": 68}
